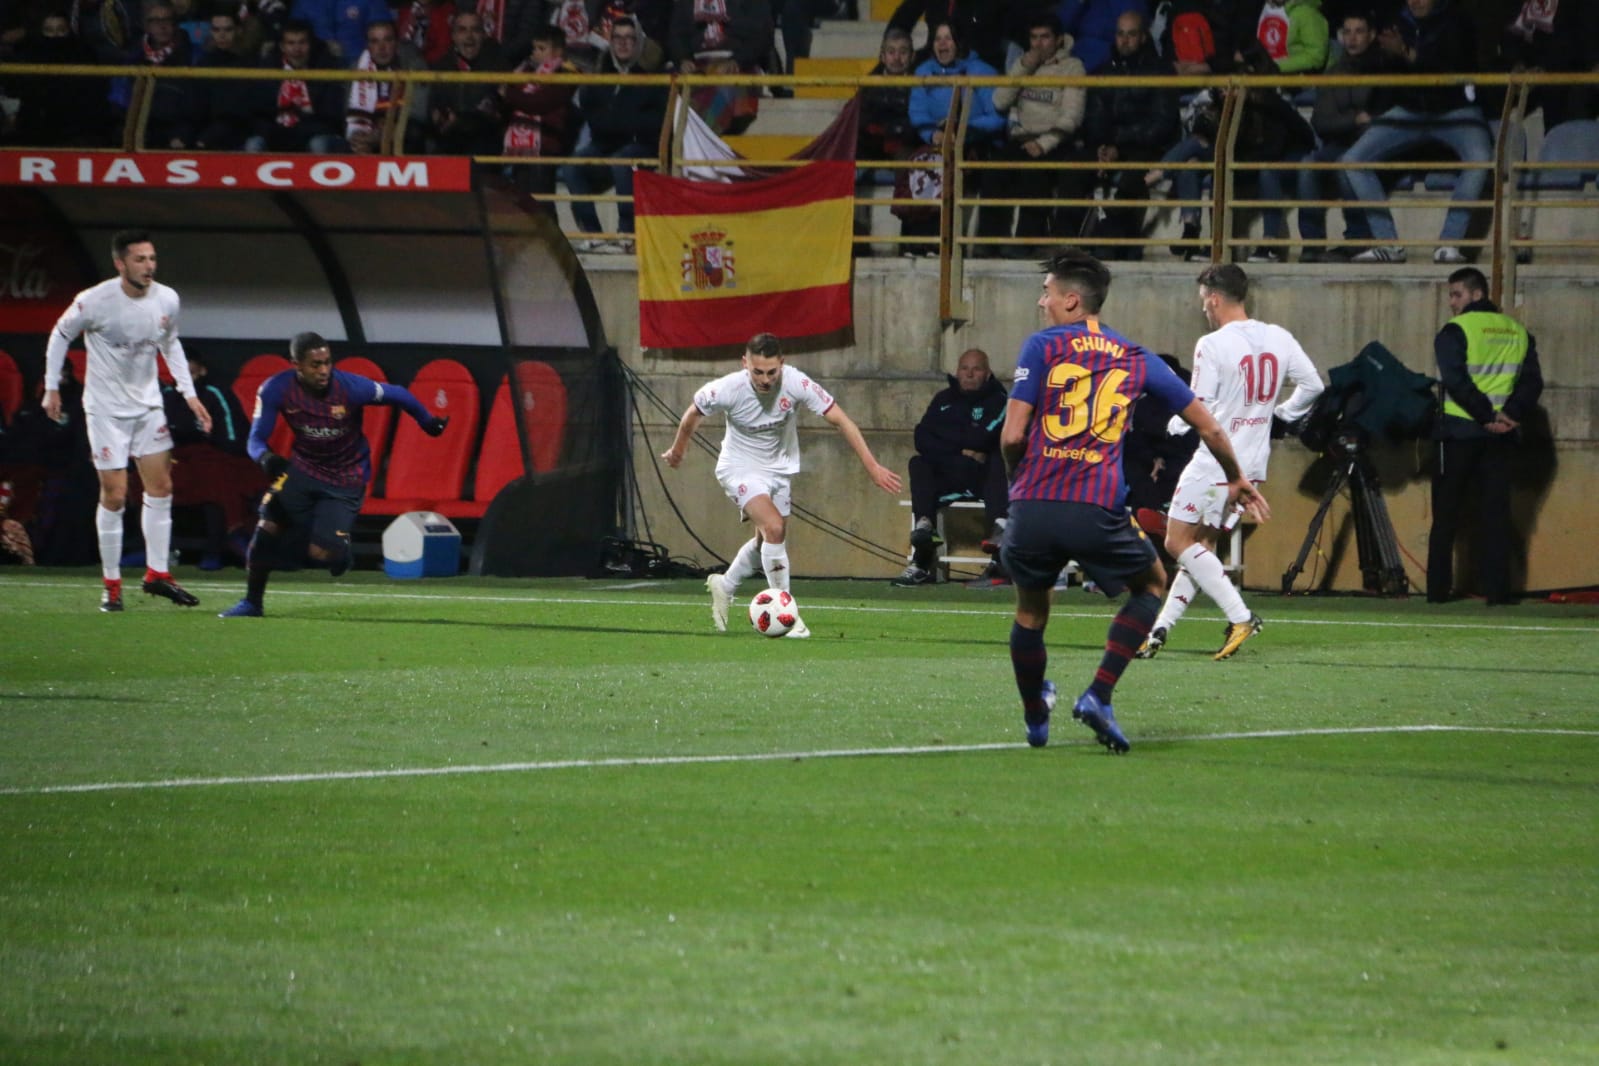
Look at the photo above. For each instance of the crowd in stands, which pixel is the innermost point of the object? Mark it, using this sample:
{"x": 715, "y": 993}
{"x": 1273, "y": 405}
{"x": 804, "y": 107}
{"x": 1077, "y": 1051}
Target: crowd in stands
{"x": 1133, "y": 133}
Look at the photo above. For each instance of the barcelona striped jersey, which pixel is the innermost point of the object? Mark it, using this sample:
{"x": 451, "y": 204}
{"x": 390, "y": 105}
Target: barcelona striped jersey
{"x": 328, "y": 442}
{"x": 1082, "y": 380}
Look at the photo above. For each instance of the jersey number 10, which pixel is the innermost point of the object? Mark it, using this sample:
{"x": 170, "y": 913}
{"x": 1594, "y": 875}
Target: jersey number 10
{"x": 1102, "y": 411}
{"x": 1260, "y": 377}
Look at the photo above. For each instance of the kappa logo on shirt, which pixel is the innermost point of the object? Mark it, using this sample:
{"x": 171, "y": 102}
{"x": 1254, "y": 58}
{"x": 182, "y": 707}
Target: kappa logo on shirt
{"x": 785, "y": 404}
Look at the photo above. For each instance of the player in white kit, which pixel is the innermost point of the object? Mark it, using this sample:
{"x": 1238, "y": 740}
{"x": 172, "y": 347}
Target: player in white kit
{"x": 1238, "y": 371}
{"x": 125, "y": 321}
{"x": 760, "y": 453}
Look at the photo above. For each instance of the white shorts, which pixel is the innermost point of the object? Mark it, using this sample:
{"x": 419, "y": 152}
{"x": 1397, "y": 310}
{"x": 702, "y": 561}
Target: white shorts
{"x": 1200, "y": 498}
{"x": 742, "y": 486}
{"x": 112, "y": 440}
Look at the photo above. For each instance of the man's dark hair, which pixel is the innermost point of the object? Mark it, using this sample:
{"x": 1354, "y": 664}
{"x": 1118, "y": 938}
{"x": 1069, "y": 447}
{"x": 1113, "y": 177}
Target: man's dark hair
{"x": 1049, "y": 20}
{"x": 1079, "y": 271}
{"x": 390, "y": 23}
{"x": 122, "y": 240}
{"x": 1365, "y": 15}
{"x": 1228, "y": 279}
{"x": 304, "y": 343}
{"x": 764, "y": 344}
{"x": 551, "y": 36}
{"x": 297, "y": 26}
{"x": 1471, "y": 278}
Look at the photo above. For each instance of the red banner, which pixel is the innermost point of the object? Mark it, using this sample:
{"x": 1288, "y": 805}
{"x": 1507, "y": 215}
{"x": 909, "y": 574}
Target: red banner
{"x": 172, "y": 170}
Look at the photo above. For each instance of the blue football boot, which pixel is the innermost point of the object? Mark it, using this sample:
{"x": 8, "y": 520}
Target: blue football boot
{"x": 1102, "y": 720}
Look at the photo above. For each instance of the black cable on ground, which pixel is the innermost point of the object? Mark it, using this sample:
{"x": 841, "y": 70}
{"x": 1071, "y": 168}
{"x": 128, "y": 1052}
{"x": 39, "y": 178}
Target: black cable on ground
{"x": 817, "y": 521}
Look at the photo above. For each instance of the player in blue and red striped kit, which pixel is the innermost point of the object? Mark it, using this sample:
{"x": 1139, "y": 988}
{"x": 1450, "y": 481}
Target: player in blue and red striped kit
{"x": 1069, "y": 408}
{"x": 318, "y": 490}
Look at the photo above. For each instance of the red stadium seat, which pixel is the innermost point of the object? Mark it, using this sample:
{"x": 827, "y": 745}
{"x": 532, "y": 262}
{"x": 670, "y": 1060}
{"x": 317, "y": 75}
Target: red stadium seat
{"x": 427, "y": 474}
{"x": 248, "y": 381}
{"x": 10, "y": 387}
{"x": 378, "y": 418}
{"x": 499, "y": 457}
{"x": 542, "y": 397}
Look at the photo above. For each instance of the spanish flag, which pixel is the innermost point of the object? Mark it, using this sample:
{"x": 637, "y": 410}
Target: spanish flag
{"x": 719, "y": 263}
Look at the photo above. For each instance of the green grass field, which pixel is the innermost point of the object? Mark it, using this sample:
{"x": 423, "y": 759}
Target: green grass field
{"x": 566, "y": 822}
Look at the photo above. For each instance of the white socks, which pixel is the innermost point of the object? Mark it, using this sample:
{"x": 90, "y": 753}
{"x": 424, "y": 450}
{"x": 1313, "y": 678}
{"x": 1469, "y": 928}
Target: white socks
{"x": 1202, "y": 565}
{"x": 157, "y": 525}
{"x": 774, "y": 560}
{"x": 108, "y": 524}
{"x": 743, "y": 565}
{"x": 1178, "y": 599}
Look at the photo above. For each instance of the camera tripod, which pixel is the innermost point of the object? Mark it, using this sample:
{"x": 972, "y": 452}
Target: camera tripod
{"x": 1381, "y": 569}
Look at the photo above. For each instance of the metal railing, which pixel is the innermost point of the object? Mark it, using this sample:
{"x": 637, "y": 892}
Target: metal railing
{"x": 1510, "y": 208}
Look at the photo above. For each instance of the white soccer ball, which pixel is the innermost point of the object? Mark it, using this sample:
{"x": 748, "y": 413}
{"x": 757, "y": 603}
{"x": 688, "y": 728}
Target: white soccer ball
{"x": 773, "y": 612}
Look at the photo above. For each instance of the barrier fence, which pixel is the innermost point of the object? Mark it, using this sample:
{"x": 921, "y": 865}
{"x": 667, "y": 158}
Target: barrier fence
{"x": 1520, "y": 189}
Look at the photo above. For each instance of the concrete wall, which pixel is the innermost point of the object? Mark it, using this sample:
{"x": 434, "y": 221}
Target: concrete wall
{"x": 901, "y": 356}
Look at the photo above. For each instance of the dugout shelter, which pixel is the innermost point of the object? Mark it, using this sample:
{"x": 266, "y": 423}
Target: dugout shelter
{"x": 447, "y": 282}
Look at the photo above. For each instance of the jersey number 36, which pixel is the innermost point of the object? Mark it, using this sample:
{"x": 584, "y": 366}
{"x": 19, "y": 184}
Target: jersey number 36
{"x": 1082, "y": 407}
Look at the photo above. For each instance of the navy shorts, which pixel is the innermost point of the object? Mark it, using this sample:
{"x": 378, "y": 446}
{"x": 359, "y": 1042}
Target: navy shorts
{"x": 311, "y": 511}
{"x": 1044, "y": 535}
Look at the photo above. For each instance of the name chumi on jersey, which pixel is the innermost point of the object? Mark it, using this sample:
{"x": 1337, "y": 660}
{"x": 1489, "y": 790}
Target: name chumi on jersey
{"x": 1097, "y": 342}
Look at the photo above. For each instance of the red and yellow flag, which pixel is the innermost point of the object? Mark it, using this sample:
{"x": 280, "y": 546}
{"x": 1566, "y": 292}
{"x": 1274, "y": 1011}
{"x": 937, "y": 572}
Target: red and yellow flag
{"x": 719, "y": 263}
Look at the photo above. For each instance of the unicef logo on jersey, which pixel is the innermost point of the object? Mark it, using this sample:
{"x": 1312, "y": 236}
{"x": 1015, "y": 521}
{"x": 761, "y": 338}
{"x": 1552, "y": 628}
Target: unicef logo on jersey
{"x": 1021, "y": 375}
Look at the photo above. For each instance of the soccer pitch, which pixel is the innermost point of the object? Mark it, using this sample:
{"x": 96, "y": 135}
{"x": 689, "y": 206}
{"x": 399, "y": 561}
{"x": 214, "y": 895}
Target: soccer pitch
{"x": 475, "y": 822}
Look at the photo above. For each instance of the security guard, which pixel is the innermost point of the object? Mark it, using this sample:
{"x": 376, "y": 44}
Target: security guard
{"x": 1488, "y": 366}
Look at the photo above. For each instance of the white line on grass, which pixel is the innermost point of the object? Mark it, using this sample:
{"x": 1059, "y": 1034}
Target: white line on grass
{"x": 387, "y": 594}
{"x": 754, "y": 757}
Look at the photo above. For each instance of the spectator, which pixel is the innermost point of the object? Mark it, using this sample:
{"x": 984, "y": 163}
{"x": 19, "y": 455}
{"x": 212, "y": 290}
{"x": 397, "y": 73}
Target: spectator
{"x": 260, "y": 24}
{"x": 512, "y": 23}
{"x": 1041, "y": 123}
{"x": 171, "y": 119}
{"x": 57, "y": 112}
{"x": 1203, "y": 37}
{"x": 1342, "y": 113}
{"x": 1294, "y": 35}
{"x": 341, "y": 24}
{"x": 722, "y": 37}
{"x": 371, "y": 101}
{"x": 929, "y": 110}
{"x": 979, "y": 24}
{"x": 623, "y": 121}
{"x": 223, "y": 109}
{"x": 425, "y": 26}
{"x": 1270, "y": 130}
{"x": 538, "y": 117}
{"x": 585, "y": 27}
{"x": 1556, "y": 36}
{"x": 296, "y": 115}
{"x": 1429, "y": 38}
{"x": 957, "y": 457}
{"x": 1131, "y": 125}
{"x": 1092, "y": 25}
{"x": 465, "y": 116}
{"x": 794, "y": 17}
{"x": 106, "y": 27}
{"x": 884, "y": 131}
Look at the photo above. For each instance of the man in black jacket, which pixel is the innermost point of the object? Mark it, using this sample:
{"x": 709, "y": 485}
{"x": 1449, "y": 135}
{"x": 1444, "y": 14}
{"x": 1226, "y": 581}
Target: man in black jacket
{"x": 1133, "y": 125}
{"x": 957, "y": 457}
{"x": 1430, "y": 37}
{"x": 1488, "y": 366}
{"x": 624, "y": 122}
{"x": 295, "y": 115}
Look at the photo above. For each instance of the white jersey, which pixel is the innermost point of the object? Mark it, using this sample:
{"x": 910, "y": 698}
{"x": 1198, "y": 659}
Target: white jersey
{"x": 122, "y": 335}
{"x": 761, "y": 430}
{"x": 1238, "y": 372}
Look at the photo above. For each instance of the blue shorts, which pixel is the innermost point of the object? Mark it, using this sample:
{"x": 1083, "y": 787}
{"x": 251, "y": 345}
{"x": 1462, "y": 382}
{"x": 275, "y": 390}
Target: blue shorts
{"x": 1044, "y": 535}
{"x": 311, "y": 511}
